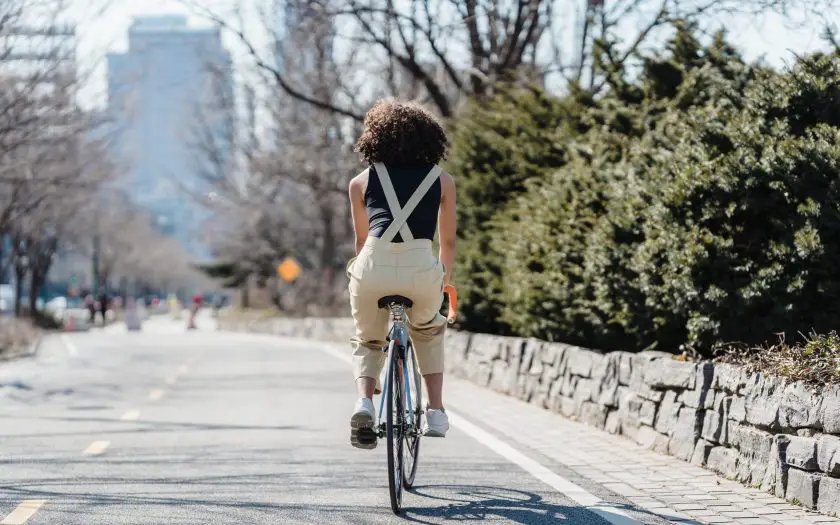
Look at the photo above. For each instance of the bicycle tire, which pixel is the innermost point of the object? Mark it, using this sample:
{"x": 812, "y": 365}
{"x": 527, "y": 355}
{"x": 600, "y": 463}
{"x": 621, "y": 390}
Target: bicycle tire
{"x": 412, "y": 439}
{"x": 394, "y": 428}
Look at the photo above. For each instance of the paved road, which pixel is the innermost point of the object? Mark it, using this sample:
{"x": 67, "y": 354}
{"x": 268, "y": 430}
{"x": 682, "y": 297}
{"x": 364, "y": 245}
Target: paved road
{"x": 168, "y": 427}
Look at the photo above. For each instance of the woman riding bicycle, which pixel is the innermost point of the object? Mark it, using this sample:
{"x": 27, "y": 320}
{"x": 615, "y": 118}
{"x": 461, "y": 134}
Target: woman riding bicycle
{"x": 397, "y": 204}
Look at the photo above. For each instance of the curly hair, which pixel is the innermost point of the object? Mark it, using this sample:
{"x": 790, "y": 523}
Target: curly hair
{"x": 401, "y": 133}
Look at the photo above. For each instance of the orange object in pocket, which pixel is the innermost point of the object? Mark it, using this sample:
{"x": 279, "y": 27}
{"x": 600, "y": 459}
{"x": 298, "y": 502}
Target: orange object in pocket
{"x": 453, "y": 302}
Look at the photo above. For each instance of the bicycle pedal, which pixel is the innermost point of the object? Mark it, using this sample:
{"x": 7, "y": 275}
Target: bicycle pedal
{"x": 366, "y": 436}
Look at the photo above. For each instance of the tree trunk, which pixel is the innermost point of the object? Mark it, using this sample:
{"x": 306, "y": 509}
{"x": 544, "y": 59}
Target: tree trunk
{"x": 20, "y": 275}
{"x": 328, "y": 254}
{"x": 36, "y": 281}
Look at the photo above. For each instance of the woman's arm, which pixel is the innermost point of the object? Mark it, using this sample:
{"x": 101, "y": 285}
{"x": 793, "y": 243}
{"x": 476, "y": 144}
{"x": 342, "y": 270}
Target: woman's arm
{"x": 358, "y": 210}
{"x": 446, "y": 225}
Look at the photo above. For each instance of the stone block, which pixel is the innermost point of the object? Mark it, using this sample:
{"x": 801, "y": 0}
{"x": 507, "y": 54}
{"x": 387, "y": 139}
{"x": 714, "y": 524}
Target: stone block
{"x": 803, "y": 488}
{"x": 701, "y": 453}
{"x": 625, "y": 367}
{"x": 606, "y": 374}
{"x": 609, "y": 395}
{"x": 479, "y": 373}
{"x": 456, "y": 344}
{"x": 754, "y": 448}
{"x": 554, "y": 395}
{"x": 613, "y": 422}
{"x": 666, "y": 417}
{"x": 670, "y": 373}
{"x": 723, "y": 460}
{"x": 568, "y": 407}
{"x": 800, "y": 407}
{"x": 581, "y": 361}
{"x": 646, "y": 436}
{"x": 738, "y": 409}
{"x": 586, "y": 390}
{"x": 629, "y": 407}
{"x": 530, "y": 354}
{"x": 829, "y": 496}
{"x": 763, "y": 401}
{"x": 697, "y": 396}
{"x": 569, "y": 384}
{"x": 537, "y": 367}
{"x": 637, "y": 382}
{"x": 593, "y": 414}
{"x": 775, "y": 475}
{"x": 604, "y": 367}
{"x": 485, "y": 347}
{"x": 802, "y": 453}
{"x": 548, "y": 353}
{"x": 830, "y": 411}
{"x": 729, "y": 378}
{"x": 828, "y": 455}
{"x": 501, "y": 378}
{"x": 647, "y": 414}
{"x": 714, "y": 423}
{"x": 685, "y": 435}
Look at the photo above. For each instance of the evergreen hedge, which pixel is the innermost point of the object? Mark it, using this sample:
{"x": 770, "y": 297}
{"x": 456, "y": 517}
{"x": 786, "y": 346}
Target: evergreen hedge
{"x": 692, "y": 205}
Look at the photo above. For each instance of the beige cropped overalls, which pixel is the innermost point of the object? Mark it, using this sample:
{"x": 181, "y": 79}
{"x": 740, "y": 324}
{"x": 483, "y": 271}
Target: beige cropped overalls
{"x": 407, "y": 268}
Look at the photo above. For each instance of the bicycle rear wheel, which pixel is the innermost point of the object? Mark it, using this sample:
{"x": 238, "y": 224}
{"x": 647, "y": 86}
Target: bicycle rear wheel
{"x": 394, "y": 426}
{"x": 414, "y": 397}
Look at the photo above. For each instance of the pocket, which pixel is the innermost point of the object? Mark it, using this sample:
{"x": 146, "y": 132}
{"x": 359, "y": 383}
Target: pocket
{"x": 431, "y": 277}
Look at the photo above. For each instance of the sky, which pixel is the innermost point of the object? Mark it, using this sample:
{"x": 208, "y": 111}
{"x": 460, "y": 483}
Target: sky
{"x": 102, "y": 27}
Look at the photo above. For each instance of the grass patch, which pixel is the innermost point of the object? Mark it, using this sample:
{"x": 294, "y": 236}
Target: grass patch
{"x": 814, "y": 360}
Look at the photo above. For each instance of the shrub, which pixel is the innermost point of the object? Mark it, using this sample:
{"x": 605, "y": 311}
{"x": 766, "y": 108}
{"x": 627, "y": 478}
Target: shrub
{"x": 719, "y": 222}
{"x": 497, "y": 146}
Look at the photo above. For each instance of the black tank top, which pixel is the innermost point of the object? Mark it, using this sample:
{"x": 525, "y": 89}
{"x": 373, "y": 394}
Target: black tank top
{"x": 423, "y": 220}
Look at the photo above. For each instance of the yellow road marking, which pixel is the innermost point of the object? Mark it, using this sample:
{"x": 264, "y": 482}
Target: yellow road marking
{"x": 155, "y": 394}
{"x": 23, "y": 512}
{"x": 131, "y": 415}
{"x": 170, "y": 380}
{"x": 96, "y": 448}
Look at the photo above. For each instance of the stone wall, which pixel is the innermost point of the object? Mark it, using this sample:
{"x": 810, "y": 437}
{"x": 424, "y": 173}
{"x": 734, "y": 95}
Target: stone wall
{"x": 763, "y": 431}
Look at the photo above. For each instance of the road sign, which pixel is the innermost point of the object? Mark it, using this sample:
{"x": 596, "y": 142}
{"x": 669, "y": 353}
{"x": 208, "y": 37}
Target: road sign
{"x": 288, "y": 270}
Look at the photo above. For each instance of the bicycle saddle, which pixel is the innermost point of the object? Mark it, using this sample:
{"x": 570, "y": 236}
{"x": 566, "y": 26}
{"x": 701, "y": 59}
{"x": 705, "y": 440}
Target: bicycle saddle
{"x": 388, "y": 300}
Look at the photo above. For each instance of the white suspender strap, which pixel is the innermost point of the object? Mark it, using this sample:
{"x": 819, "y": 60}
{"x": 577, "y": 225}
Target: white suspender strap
{"x": 393, "y": 204}
{"x": 402, "y": 215}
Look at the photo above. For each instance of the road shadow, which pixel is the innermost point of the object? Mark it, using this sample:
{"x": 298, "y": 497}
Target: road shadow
{"x": 478, "y": 503}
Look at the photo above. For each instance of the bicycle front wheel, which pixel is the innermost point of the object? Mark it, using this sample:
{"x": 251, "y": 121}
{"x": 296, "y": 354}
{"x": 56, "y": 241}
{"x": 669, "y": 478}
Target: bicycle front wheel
{"x": 414, "y": 424}
{"x": 394, "y": 426}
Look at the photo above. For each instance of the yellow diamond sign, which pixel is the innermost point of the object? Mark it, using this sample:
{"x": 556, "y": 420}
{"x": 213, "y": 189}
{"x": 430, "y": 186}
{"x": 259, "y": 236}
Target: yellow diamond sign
{"x": 288, "y": 270}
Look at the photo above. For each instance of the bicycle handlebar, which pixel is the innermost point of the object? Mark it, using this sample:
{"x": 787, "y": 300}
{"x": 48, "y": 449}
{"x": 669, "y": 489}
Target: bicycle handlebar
{"x": 453, "y": 302}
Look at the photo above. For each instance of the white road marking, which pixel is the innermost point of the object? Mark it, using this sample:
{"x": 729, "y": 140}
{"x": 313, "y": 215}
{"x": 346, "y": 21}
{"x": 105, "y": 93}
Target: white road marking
{"x": 69, "y": 345}
{"x": 131, "y": 415}
{"x": 23, "y": 512}
{"x": 155, "y": 394}
{"x": 182, "y": 369}
{"x": 170, "y": 380}
{"x": 574, "y": 492}
{"x": 96, "y": 448}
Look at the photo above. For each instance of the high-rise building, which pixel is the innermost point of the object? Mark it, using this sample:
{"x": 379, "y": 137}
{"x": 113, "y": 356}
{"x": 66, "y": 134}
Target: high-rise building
{"x": 171, "y": 98}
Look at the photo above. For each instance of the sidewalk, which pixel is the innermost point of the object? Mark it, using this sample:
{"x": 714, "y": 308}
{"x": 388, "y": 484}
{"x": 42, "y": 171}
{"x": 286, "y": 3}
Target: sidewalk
{"x": 677, "y": 491}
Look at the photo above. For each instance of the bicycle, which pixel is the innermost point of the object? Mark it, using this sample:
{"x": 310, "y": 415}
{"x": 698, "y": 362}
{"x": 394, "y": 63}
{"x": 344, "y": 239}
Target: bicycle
{"x": 402, "y": 396}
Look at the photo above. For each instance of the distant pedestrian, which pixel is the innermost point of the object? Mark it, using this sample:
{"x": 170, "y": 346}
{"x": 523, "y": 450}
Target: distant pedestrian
{"x": 90, "y": 304}
{"x": 103, "y": 307}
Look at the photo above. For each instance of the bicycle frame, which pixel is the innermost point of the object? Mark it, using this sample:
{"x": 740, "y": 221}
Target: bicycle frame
{"x": 400, "y": 335}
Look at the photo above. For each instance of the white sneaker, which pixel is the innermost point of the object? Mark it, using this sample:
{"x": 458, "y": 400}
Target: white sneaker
{"x": 437, "y": 423}
{"x": 363, "y": 419}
